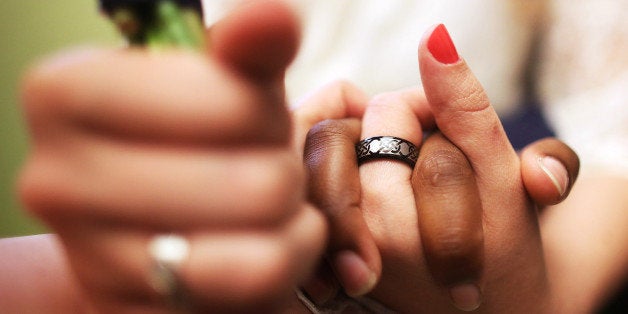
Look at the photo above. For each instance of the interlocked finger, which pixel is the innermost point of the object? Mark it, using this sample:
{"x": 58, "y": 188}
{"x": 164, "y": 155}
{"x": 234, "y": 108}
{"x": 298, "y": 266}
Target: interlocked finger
{"x": 335, "y": 188}
{"x": 450, "y": 216}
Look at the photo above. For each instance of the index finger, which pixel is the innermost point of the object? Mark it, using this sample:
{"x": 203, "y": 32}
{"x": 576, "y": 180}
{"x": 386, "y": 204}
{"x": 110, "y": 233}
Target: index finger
{"x": 168, "y": 97}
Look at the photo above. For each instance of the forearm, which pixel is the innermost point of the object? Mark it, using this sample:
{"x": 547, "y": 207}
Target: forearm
{"x": 586, "y": 241}
{"x": 35, "y": 277}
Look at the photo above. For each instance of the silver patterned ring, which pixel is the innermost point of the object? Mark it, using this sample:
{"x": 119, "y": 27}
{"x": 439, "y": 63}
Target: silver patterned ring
{"x": 388, "y": 147}
{"x": 168, "y": 252}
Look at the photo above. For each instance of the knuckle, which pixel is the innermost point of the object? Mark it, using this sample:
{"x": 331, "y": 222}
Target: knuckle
{"x": 455, "y": 256}
{"x": 268, "y": 124}
{"x": 270, "y": 276}
{"x": 274, "y": 190}
{"x": 386, "y": 100}
{"x": 444, "y": 168}
{"x": 50, "y": 87}
{"x": 388, "y": 107}
{"x": 29, "y": 189}
{"x": 456, "y": 244}
{"x": 44, "y": 191}
{"x": 325, "y": 134}
{"x": 39, "y": 90}
{"x": 342, "y": 90}
{"x": 474, "y": 99}
{"x": 341, "y": 85}
{"x": 251, "y": 271}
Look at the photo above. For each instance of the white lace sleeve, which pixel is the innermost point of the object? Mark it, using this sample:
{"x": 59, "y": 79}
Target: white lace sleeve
{"x": 584, "y": 81}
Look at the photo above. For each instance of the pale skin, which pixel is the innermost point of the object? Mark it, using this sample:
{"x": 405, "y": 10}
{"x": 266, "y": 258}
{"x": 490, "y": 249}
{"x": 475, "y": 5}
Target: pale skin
{"x": 160, "y": 132}
{"x": 104, "y": 230}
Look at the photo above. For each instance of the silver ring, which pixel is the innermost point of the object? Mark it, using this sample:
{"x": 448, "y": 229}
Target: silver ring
{"x": 388, "y": 147}
{"x": 168, "y": 253}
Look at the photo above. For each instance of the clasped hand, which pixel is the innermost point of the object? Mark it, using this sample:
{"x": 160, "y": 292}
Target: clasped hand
{"x": 129, "y": 144}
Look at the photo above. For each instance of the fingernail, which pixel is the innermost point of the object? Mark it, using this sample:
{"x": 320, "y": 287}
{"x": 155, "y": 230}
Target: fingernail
{"x": 556, "y": 171}
{"x": 466, "y": 297}
{"x": 354, "y": 274}
{"x": 441, "y": 46}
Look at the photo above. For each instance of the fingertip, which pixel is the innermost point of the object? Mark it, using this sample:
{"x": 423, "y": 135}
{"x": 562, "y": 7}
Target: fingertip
{"x": 437, "y": 49}
{"x": 441, "y": 46}
{"x": 258, "y": 39}
{"x": 354, "y": 273}
{"x": 336, "y": 100}
{"x": 466, "y": 297}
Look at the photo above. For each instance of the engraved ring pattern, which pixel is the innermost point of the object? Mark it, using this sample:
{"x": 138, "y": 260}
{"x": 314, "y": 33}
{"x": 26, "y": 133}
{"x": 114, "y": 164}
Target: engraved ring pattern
{"x": 388, "y": 147}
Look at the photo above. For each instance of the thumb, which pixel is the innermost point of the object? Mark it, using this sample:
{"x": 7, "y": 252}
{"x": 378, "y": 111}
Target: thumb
{"x": 258, "y": 40}
{"x": 549, "y": 169}
{"x": 461, "y": 107}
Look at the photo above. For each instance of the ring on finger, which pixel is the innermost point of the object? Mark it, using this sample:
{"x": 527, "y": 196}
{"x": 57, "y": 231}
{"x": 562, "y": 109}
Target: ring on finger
{"x": 168, "y": 253}
{"x": 387, "y": 147}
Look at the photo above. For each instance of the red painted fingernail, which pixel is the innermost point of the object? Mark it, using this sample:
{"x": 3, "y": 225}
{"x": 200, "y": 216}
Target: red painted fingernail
{"x": 441, "y": 46}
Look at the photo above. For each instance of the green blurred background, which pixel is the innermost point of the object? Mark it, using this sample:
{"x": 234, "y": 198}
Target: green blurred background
{"x": 30, "y": 30}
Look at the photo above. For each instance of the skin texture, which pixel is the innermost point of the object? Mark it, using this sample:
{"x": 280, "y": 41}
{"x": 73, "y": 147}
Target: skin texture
{"x": 85, "y": 143}
{"x": 449, "y": 212}
{"x": 330, "y": 158}
{"x": 501, "y": 247}
{"x": 112, "y": 167}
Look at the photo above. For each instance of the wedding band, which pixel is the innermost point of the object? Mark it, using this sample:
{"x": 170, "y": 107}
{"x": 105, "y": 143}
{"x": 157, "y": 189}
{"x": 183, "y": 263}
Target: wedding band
{"x": 388, "y": 147}
{"x": 168, "y": 252}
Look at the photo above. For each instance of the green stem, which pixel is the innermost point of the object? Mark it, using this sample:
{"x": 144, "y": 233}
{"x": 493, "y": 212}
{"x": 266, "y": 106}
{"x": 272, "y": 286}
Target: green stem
{"x": 171, "y": 21}
{"x": 164, "y": 24}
